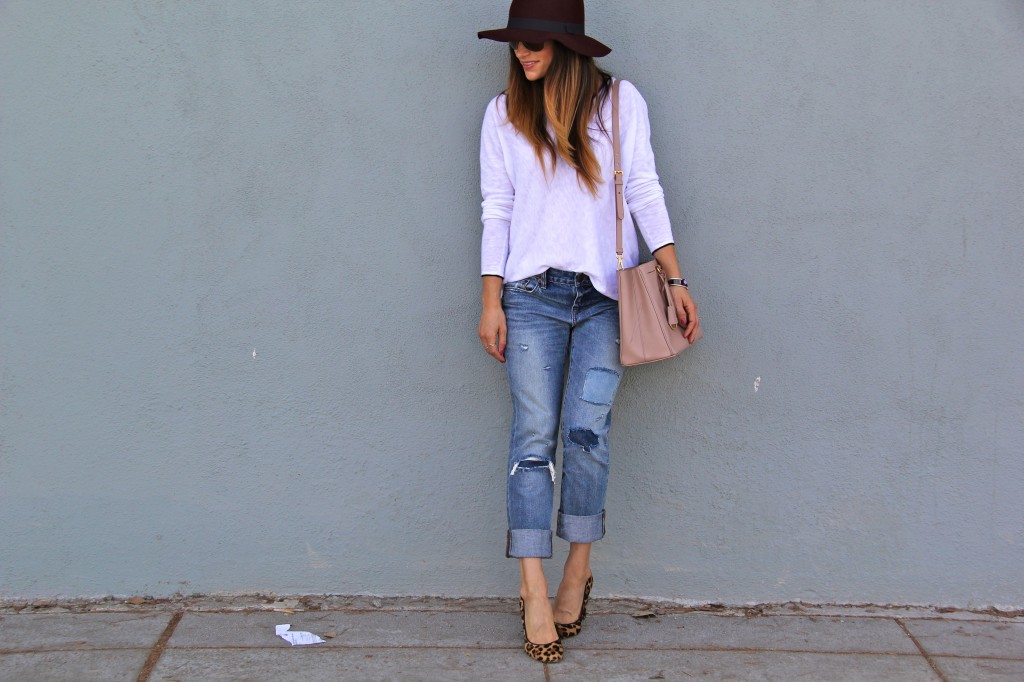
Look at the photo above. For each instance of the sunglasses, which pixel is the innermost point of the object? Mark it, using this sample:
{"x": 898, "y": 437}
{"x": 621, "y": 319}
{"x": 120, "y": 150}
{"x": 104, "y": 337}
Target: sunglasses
{"x": 529, "y": 45}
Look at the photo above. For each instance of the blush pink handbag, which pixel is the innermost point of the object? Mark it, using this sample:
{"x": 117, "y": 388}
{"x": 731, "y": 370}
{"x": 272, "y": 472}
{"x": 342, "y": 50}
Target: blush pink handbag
{"x": 648, "y": 325}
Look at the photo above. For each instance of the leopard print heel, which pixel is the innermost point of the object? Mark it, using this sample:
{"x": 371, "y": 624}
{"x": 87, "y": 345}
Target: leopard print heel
{"x": 552, "y": 652}
{"x": 566, "y": 630}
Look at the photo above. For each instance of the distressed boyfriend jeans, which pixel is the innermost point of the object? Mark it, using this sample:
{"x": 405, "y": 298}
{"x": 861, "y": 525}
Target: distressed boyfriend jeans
{"x": 562, "y": 357}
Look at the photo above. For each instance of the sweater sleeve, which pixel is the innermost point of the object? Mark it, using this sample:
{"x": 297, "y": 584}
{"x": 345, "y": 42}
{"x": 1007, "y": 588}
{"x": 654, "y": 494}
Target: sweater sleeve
{"x": 643, "y": 192}
{"x": 498, "y": 193}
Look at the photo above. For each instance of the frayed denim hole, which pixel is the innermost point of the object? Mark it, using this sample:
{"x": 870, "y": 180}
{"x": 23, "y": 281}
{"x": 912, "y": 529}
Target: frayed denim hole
{"x": 585, "y": 438}
{"x": 531, "y": 463}
{"x": 599, "y": 386}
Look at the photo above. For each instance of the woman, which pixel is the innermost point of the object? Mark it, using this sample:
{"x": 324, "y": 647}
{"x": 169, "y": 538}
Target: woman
{"x": 550, "y": 289}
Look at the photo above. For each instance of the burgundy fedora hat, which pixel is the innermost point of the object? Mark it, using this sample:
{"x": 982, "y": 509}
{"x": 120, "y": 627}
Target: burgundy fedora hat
{"x": 539, "y": 20}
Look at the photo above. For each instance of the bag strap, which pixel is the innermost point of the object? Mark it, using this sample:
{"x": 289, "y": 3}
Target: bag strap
{"x": 617, "y": 156}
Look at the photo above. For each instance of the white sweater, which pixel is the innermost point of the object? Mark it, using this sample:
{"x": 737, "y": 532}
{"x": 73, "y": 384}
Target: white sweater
{"x": 535, "y": 220}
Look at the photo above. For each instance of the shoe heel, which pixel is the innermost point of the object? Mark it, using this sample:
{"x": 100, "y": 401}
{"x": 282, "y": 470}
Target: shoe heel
{"x": 552, "y": 652}
{"x": 566, "y": 630}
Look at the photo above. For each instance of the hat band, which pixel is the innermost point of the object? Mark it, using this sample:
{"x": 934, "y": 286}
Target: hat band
{"x": 545, "y": 26}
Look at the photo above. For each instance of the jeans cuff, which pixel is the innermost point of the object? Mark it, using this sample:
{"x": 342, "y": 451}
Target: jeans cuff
{"x": 581, "y": 528}
{"x": 525, "y": 543}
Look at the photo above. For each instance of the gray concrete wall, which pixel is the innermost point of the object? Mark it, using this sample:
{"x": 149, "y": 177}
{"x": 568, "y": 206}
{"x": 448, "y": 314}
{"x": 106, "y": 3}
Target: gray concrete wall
{"x": 239, "y": 293}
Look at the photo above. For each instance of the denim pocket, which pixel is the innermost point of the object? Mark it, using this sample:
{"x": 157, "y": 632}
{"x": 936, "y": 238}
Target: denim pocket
{"x": 528, "y": 285}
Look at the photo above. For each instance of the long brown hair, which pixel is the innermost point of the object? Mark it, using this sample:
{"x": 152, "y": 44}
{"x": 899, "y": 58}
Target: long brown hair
{"x": 571, "y": 92}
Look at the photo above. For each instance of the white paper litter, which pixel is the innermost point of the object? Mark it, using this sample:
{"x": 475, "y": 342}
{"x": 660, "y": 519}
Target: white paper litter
{"x": 296, "y": 637}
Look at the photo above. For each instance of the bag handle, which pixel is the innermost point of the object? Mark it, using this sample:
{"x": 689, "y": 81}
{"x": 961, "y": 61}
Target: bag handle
{"x": 617, "y": 156}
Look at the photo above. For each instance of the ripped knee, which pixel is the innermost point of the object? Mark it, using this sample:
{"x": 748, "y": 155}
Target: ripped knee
{"x": 584, "y": 438}
{"x": 534, "y": 463}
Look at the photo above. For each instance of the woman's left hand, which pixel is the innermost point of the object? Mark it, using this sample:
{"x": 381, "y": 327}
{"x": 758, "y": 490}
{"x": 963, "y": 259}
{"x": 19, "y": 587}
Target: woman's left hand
{"x": 686, "y": 310}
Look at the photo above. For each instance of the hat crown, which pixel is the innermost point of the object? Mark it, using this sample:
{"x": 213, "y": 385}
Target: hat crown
{"x": 566, "y": 11}
{"x": 559, "y": 20}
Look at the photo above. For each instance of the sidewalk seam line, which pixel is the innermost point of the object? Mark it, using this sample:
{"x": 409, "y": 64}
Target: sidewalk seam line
{"x": 1009, "y": 620}
{"x": 350, "y": 647}
{"x": 715, "y": 649}
{"x": 967, "y": 657}
{"x": 927, "y": 657}
{"x": 64, "y": 650}
{"x": 158, "y": 648}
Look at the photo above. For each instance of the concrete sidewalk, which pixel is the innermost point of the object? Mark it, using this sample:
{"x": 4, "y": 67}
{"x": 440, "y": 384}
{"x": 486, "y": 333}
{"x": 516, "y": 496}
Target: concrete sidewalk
{"x": 480, "y": 639}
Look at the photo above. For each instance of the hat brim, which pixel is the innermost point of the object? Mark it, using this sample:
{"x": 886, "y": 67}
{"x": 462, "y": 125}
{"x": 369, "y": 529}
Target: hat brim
{"x": 585, "y": 45}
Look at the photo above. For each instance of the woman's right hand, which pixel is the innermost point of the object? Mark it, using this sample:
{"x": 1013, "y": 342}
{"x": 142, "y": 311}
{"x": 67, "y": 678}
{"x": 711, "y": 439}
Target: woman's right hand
{"x": 492, "y": 331}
